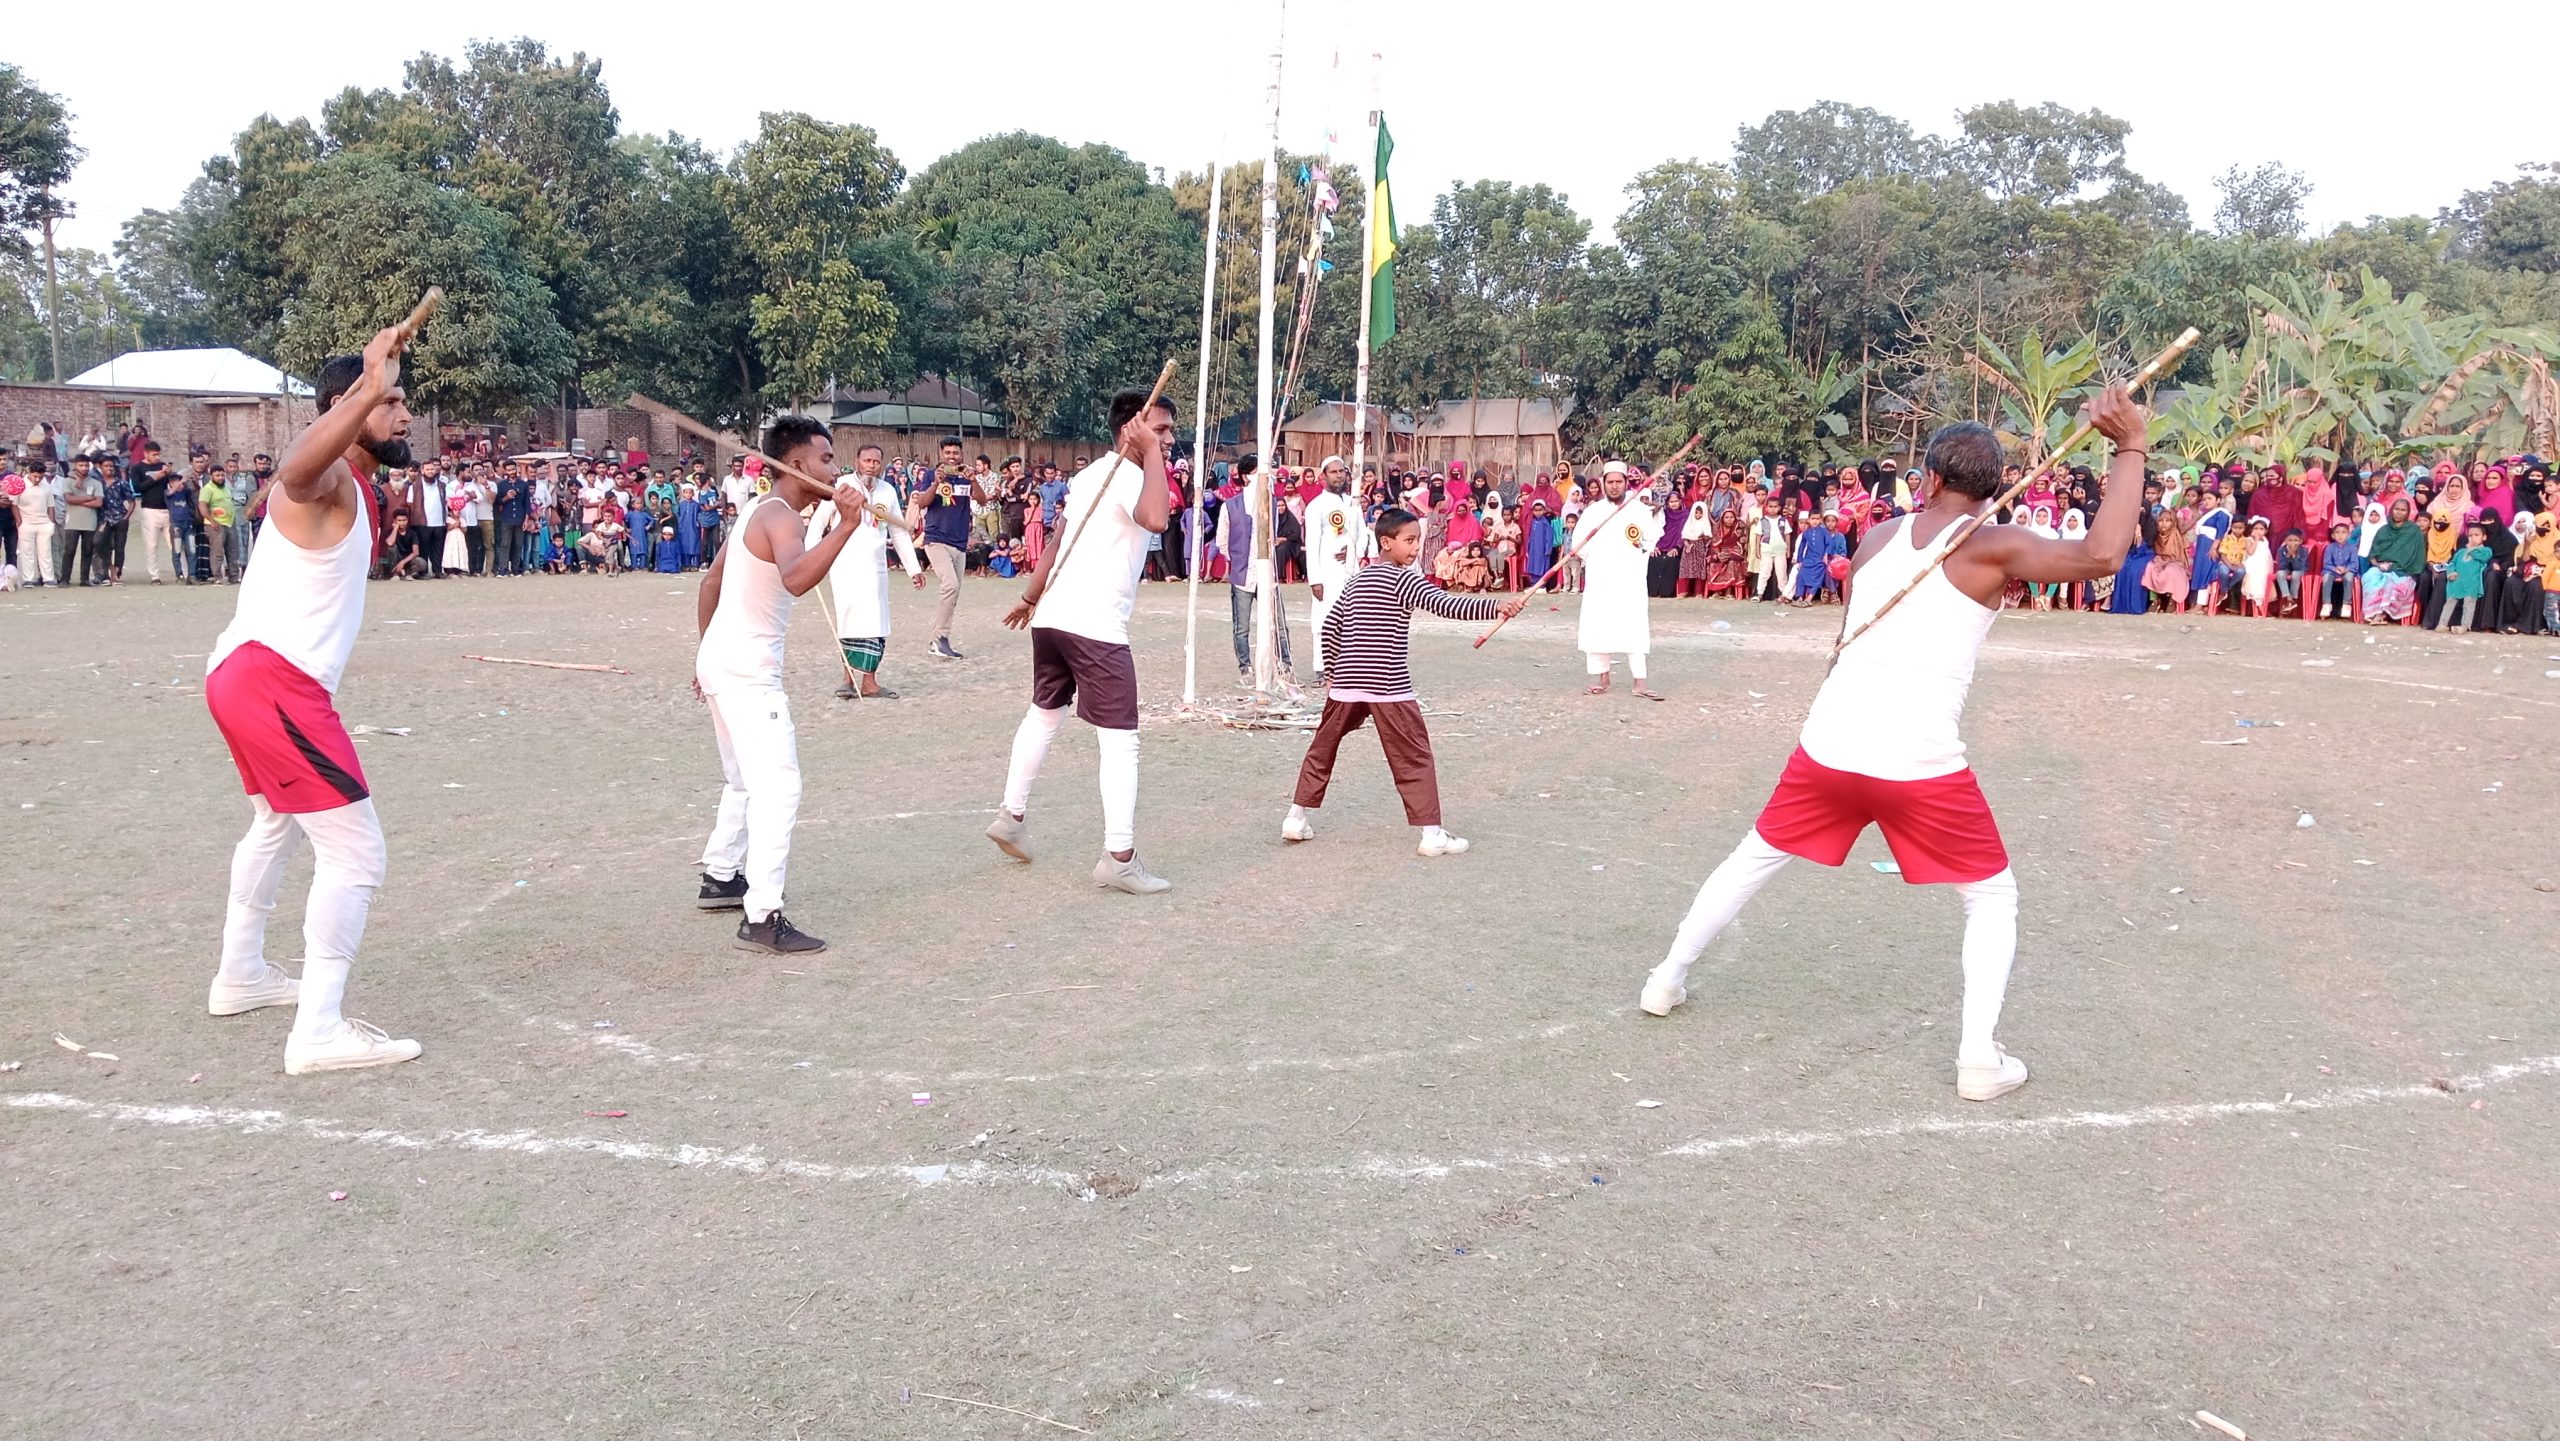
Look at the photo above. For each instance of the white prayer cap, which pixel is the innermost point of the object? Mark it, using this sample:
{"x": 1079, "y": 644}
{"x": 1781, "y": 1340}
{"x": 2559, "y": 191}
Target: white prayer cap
{"x": 1615, "y": 467}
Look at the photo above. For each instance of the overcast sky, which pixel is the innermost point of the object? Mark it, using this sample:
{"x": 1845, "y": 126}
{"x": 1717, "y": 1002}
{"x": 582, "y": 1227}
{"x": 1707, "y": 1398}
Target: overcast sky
{"x": 1579, "y": 95}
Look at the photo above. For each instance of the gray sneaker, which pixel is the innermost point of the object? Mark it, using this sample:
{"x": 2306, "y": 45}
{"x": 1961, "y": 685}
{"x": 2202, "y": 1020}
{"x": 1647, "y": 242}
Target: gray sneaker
{"x": 1130, "y": 875}
{"x": 1012, "y": 835}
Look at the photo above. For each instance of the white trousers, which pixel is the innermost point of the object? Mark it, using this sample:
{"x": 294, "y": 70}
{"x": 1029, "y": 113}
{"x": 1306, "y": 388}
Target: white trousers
{"x": 1598, "y": 662}
{"x": 35, "y": 553}
{"x": 157, "y": 538}
{"x": 1771, "y": 570}
{"x": 760, "y": 802}
{"x": 1990, "y": 935}
{"x": 1316, "y": 613}
{"x": 351, "y": 861}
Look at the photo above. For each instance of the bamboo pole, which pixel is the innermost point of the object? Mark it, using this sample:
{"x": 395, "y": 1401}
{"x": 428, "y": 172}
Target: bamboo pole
{"x": 1200, "y": 442}
{"x": 1164, "y": 378}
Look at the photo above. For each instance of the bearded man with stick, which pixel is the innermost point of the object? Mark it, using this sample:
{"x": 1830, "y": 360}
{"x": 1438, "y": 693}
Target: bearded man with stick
{"x": 1077, "y": 607}
{"x": 1614, "y": 538}
{"x": 271, "y": 683}
{"x": 1881, "y": 745}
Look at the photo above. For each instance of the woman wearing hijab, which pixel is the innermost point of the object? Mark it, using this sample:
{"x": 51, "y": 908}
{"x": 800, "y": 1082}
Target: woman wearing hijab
{"x": 2398, "y": 556}
{"x": 2092, "y": 594}
{"x": 2495, "y": 496}
{"x": 2171, "y": 567}
{"x": 1697, "y": 548}
{"x": 2319, "y": 502}
{"x": 2532, "y": 488}
{"x": 2207, "y": 576}
{"x": 2520, "y": 597}
{"x": 2502, "y": 565}
{"x": 2127, "y": 594}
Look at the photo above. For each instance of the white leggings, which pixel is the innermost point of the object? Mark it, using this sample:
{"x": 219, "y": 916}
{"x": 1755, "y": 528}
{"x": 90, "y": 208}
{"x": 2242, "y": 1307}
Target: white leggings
{"x": 350, "y": 861}
{"x": 1599, "y": 661}
{"x": 1119, "y": 773}
{"x": 1990, "y": 934}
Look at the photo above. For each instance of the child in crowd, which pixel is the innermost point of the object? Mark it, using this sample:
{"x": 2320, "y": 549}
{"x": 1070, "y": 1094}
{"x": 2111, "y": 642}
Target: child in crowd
{"x": 670, "y": 555}
{"x": 2257, "y": 570}
{"x": 1367, "y": 635}
{"x": 2466, "y": 579}
{"x": 2340, "y": 569}
{"x": 2292, "y": 560}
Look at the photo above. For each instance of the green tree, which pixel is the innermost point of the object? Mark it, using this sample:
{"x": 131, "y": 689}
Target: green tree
{"x": 365, "y": 239}
{"x": 1750, "y": 399}
{"x": 238, "y": 222}
{"x": 2514, "y": 224}
{"x": 1070, "y": 270}
{"x": 2045, "y": 154}
{"x": 154, "y": 260}
{"x": 801, "y": 197}
{"x": 2265, "y": 202}
{"x": 36, "y": 157}
{"x": 1797, "y": 155}
{"x": 99, "y": 319}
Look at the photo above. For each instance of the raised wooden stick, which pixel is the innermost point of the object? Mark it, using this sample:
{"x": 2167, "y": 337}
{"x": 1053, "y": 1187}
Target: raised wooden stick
{"x": 1558, "y": 568}
{"x": 549, "y": 664}
{"x": 1963, "y": 529}
{"x": 700, "y": 431}
{"x": 1164, "y": 378}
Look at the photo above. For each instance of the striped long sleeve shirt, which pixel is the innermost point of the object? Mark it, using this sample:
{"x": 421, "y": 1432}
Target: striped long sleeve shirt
{"x": 1368, "y": 634}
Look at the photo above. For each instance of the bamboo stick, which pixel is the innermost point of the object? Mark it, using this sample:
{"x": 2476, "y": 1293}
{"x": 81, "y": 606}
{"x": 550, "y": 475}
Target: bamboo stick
{"x": 1164, "y": 378}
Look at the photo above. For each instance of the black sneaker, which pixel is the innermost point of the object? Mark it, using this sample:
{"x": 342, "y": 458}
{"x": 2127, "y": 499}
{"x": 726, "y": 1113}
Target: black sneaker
{"x": 776, "y": 936}
{"x": 720, "y": 895}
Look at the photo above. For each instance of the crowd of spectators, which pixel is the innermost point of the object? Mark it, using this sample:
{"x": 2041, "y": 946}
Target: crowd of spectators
{"x": 2429, "y": 541}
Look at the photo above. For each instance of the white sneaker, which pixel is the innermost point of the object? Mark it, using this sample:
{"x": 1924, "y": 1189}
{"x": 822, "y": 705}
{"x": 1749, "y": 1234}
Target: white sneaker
{"x": 1990, "y": 1083}
{"x": 352, "y": 1047}
{"x": 234, "y": 998}
{"x": 1295, "y": 827}
{"x": 1130, "y": 875}
{"x": 1012, "y": 835}
{"x": 1661, "y": 996}
{"x": 1445, "y": 845}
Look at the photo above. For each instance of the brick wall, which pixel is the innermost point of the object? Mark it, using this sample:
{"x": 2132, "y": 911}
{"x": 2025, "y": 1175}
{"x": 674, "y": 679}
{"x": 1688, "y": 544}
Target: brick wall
{"x": 221, "y": 424}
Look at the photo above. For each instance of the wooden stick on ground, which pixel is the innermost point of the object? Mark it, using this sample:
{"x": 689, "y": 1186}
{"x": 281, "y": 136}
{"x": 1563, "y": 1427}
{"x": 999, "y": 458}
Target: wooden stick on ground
{"x": 700, "y": 431}
{"x": 549, "y": 664}
{"x": 1009, "y": 1411}
{"x": 1963, "y": 529}
{"x": 1558, "y": 568}
{"x": 1164, "y": 378}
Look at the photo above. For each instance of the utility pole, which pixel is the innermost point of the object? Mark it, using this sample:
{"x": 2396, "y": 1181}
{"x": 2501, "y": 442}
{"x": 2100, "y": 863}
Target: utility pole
{"x": 52, "y": 289}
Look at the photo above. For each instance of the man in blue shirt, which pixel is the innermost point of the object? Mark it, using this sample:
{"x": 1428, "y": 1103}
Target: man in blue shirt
{"x": 940, "y": 510}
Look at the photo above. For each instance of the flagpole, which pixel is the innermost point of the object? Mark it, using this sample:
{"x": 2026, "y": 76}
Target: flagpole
{"x": 1265, "y": 572}
{"x": 1200, "y": 444}
{"x": 1368, "y": 281}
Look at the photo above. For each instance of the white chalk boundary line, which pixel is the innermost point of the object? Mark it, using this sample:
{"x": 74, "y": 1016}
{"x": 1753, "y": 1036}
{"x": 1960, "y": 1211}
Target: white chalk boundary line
{"x": 754, "y": 1162}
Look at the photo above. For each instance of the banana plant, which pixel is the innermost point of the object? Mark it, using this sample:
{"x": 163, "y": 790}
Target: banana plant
{"x": 2037, "y": 387}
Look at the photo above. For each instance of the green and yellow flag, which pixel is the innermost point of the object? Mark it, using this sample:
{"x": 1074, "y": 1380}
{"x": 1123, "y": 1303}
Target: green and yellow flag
{"x": 1382, "y": 246}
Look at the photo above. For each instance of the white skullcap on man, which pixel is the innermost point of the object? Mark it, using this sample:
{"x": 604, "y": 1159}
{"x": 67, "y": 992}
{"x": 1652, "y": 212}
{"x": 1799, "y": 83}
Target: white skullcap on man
{"x": 1615, "y": 467}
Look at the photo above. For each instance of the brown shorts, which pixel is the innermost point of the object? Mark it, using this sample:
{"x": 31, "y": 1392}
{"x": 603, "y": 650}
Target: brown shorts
{"x": 1100, "y": 677}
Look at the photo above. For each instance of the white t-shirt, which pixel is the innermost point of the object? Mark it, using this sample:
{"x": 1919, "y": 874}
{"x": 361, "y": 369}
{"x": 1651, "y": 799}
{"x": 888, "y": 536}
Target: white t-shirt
{"x": 1092, "y": 596}
{"x": 469, "y": 491}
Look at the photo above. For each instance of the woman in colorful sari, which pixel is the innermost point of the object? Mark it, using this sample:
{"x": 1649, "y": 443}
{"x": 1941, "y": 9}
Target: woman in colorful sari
{"x": 2390, "y": 583}
{"x": 1727, "y": 569}
{"x": 1697, "y": 548}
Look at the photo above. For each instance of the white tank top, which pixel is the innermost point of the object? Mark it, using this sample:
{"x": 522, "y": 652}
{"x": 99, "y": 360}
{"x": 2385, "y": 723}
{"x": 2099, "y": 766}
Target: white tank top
{"x": 305, "y": 605}
{"x": 742, "y": 647}
{"x": 1890, "y": 708}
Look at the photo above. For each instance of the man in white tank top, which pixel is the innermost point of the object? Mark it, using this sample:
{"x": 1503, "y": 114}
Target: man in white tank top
{"x": 271, "y": 683}
{"x": 1881, "y": 744}
{"x": 744, "y": 612}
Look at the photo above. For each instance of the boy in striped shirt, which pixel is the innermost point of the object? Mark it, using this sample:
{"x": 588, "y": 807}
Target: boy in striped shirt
{"x": 1366, "y": 637}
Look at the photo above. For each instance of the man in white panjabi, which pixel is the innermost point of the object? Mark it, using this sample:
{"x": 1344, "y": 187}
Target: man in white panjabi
{"x": 1337, "y": 543}
{"x": 1615, "y": 537}
{"x": 858, "y": 586}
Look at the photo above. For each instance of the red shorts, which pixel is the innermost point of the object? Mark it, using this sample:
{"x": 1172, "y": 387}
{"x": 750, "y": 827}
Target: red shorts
{"x": 284, "y": 733}
{"x": 1940, "y": 829}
